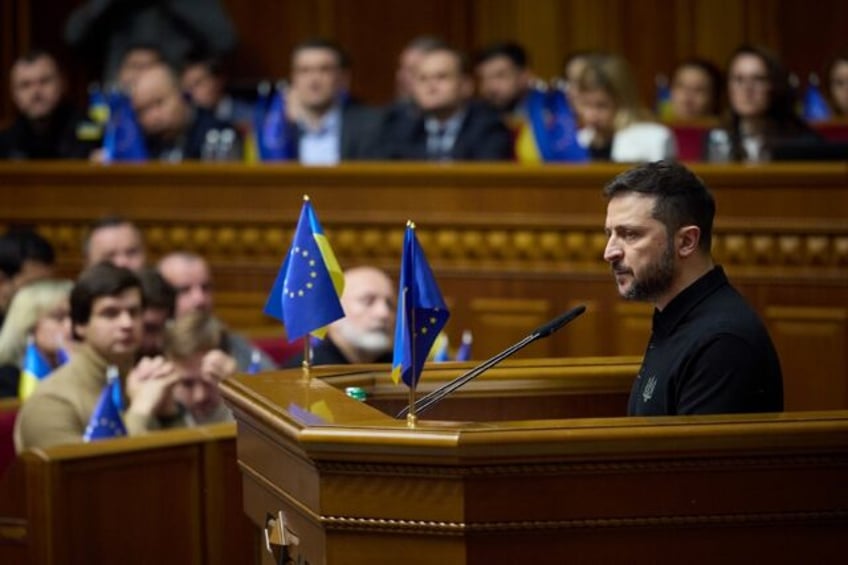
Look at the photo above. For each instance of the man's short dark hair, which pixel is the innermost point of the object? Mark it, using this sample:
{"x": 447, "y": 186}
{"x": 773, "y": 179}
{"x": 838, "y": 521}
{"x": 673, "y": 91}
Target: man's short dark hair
{"x": 511, "y": 50}
{"x": 33, "y": 247}
{"x": 34, "y": 55}
{"x": 156, "y": 291}
{"x": 682, "y": 199}
{"x": 10, "y": 256}
{"x": 341, "y": 55}
{"x": 102, "y": 279}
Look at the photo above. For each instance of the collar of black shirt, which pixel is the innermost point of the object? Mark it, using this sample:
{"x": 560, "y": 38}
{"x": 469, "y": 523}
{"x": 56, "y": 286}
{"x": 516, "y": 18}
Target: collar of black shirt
{"x": 666, "y": 320}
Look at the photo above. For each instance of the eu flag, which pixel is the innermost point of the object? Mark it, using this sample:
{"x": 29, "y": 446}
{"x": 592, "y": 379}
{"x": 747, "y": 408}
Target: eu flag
{"x": 564, "y": 146}
{"x": 123, "y": 139}
{"x": 815, "y": 106}
{"x": 106, "y": 419}
{"x": 464, "y": 351}
{"x": 35, "y": 368}
{"x": 421, "y": 312}
{"x": 274, "y": 137}
{"x": 305, "y": 296}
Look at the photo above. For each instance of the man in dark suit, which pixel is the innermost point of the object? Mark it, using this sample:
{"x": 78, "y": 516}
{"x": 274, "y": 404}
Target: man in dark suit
{"x": 46, "y": 127}
{"x": 449, "y": 126}
{"x": 330, "y": 127}
{"x": 174, "y": 129}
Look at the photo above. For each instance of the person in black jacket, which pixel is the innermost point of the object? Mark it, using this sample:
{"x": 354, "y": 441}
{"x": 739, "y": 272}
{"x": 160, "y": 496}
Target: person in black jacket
{"x": 174, "y": 129}
{"x": 449, "y": 125}
{"x": 46, "y": 127}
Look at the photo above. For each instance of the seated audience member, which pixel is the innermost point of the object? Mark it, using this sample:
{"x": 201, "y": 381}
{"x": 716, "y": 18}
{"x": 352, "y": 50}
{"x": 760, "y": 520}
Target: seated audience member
{"x": 37, "y": 257}
{"x": 189, "y": 274}
{"x": 25, "y": 257}
{"x": 408, "y": 64}
{"x": 135, "y": 60}
{"x": 449, "y": 125}
{"x": 696, "y": 87}
{"x": 616, "y": 126}
{"x": 573, "y": 67}
{"x": 193, "y": 344}
{"x": 174, "y": 130}
{"x": 837, "y": 77}
{"x": 116, "y": 240}
{"x": 503, "y": 79}
{"x": 203, "y": 79}
{"x": 39, "y": 312}
{"x": 329, "y": 125}
{"x": 709, "y": 351}
{"x": 366, "y": 332}
{"x": 106, "y": 306}
{"x": 761, "y": 109}
{"x": 46, "y": 126}
{"x": 159, "y": 304}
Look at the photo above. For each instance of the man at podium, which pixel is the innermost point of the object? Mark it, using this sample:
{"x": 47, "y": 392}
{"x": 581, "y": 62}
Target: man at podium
{"x": 709, "y": 352}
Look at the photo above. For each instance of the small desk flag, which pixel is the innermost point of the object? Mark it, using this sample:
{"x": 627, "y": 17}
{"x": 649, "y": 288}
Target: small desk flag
{"x": 305, "y": 296}
{"x": 106, "y": 419}
{"x": 421, "y": 313}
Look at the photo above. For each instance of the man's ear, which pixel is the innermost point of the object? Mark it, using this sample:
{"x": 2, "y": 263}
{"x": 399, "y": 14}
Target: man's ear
{"x": 688, "y": 239}
{"x": 78, "y": 331}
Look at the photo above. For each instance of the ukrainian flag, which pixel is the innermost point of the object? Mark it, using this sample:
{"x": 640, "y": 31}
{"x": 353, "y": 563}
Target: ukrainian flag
{"x": 35, "y": 369}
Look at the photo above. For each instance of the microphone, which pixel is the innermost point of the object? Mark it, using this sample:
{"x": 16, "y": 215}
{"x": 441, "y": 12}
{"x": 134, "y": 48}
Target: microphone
{"x": 542, "y": 331}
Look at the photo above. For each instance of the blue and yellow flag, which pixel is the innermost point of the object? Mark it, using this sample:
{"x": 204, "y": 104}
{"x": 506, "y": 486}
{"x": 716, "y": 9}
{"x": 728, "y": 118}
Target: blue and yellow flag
{"x": 305, "y": 296}
{"x": 35, "y": 368}
{"x": 123, "y": 139}
{"x": 564, "y": 146}
{"x": 106, "y": 419}
{"x": 662, "y": 104}
{"x": 421, "y": 312}
{"x": 464, "y": 351}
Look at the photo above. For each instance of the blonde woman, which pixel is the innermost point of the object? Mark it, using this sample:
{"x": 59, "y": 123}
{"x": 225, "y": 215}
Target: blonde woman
{"x": 39, "y": 311}
{"x": 616, "y": 127}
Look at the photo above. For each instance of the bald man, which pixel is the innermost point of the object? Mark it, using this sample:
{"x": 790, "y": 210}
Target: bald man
{"x": 365, "y": 334}
{"x": 191, "y": 278}
{"x": 174, "y": 130}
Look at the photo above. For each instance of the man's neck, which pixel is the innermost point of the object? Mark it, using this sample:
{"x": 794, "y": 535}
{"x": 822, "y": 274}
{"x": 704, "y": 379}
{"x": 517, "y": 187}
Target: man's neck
{"x": 689, "y": 273}
{"x": 443, "y": 115}
{"x": 314, "y": 117}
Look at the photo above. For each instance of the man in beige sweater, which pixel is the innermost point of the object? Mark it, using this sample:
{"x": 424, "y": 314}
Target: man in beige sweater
{"x": 106, "y": 307}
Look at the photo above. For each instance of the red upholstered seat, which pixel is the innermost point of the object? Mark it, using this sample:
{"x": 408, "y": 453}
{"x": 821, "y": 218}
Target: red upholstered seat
{"x": 836, "y": 130}
{"x": 278, "y": 348}
{"x": 7, "y": 444}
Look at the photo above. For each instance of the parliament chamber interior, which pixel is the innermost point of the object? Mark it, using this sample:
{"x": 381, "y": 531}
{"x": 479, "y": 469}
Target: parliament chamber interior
{"x": 536, "y": 460}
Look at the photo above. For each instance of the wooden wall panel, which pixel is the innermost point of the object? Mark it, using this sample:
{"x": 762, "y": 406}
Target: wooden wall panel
{"x": 498, "y": 323}
{"x": 803, "y": 335}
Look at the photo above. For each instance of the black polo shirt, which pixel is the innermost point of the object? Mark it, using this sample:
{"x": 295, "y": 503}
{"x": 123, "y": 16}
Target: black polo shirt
{"x": 709, "y": 353}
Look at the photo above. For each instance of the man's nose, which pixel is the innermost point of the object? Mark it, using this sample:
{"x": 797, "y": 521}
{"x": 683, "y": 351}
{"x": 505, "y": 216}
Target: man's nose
{"x": 612, "y": 251}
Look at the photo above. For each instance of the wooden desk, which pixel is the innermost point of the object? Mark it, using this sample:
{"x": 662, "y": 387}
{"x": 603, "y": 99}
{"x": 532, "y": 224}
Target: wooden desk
{"x": 357, "y": 486}
{"x": 169, "y": 497}
{"x": 511, "y": 246}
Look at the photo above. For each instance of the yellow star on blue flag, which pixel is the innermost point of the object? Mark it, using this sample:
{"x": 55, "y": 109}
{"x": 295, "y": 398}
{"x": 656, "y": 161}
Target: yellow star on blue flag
{"x": 421, "y": 313}
{"x": 305, "y": 296}
{"x": 106, "y": 419}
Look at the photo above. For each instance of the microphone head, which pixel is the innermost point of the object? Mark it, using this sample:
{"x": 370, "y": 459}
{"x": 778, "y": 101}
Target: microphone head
{"x": 547, "y": 329}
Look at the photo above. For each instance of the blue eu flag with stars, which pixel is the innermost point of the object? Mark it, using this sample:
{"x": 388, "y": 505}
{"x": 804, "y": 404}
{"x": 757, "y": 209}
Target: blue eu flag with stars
{"x": 421, "y": 312}
{"x": 305, "y": 296}
{"x": 106, "y": 419}
{"x": 123, "y": 139}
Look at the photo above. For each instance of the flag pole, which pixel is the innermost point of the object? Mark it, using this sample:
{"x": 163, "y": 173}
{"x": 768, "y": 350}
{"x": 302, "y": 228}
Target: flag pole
{"x": 306, "y": 365}
{"x": 412, "y": 417}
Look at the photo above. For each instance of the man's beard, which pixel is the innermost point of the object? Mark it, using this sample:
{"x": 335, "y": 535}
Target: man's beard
{"x": 374, "y": 341}
{"x": 656, "y": 279}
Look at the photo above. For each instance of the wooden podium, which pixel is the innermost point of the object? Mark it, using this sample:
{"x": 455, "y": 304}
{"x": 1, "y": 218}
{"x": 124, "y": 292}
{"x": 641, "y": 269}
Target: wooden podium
{"x": 353, "y": 485}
